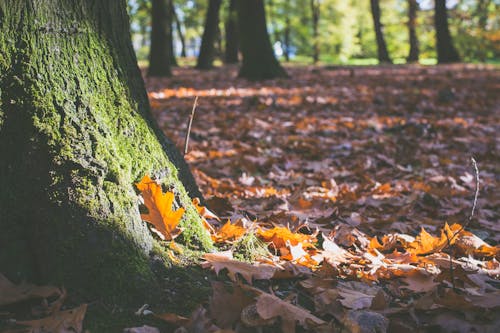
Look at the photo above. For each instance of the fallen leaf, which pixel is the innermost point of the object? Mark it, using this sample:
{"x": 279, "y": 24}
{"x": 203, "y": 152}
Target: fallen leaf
{"x": 225, "y": 307}
{"x": 247, "y": 271}
{"x": 160, "y": 213}
{"x": 269, "y": 307}
{"x": 11, "y": 293}
{"x": 59, "y": 322}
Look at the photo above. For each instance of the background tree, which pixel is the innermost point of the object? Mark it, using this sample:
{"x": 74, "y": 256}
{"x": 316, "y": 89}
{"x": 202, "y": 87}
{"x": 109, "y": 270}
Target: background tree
{"x": 412, "y": 31}
{"x": 161, "y": 51}
{"x": 76, "y": 133}
{"x": 180, "y": 34}
{"x": 259, "y": 61}
{"x": 231, "y": 29}
{"x": 207, "y": 49}
{"x": 446, "y": 52}
{"x": 315, "y": 12}
{"x": 382, "y": 54}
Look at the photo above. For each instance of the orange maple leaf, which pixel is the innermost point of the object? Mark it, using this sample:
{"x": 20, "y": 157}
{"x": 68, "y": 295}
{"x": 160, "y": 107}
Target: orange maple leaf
{"x": 228, "y": 232}
{"x": 425, "y": 243}
{"x": 160, "y": 213}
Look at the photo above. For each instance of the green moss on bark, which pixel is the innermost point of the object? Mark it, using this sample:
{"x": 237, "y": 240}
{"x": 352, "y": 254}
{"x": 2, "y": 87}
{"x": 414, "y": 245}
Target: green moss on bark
{"x": 75, "y": 135}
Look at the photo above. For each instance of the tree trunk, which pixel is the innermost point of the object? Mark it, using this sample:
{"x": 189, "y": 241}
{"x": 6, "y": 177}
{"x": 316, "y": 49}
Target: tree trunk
{"x": 286, "y": 48}
{"x": 383, "y": 55}
{"x": 259, "y": 61}
{"x": 171, "y": 51}
{"x": 179, "y": 30}
{"x": 412, "y": 31}
{"x": 445, "y": 50}
{"x": 160, "y": 54}
{"x": 315, "y": 10}
{"x": 76, "y": 133}
{"x": 207, "y": 49}
{"x": 231, "y": 52}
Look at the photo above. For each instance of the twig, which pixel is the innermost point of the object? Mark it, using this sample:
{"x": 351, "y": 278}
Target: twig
{"x": 456, "y": 233}
{"x": 190, "y": 122}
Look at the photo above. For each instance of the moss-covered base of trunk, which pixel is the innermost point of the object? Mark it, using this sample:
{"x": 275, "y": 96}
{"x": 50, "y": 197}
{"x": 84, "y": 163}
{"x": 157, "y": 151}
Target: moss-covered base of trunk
{"x": 76, "y": 133}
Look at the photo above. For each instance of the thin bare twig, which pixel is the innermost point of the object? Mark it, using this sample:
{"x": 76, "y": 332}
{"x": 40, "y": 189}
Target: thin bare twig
{"x": 190, "y": 123}
{"x": 456, "y": 233}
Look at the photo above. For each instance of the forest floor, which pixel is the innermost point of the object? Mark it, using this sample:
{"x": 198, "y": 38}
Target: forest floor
{"x": 350, "y": 199}
{"x": 346, "y": 154}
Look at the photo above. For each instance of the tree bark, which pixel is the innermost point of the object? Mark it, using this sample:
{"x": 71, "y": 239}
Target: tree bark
{"x": 231, "y": 27}
{"x": 207, "y": 49}
{"x": 76, "y": 133}
{"x": 383, "y": 55}
{"x": 413, "y": 55}
{"x": 179, "y": 30}
{"x": 286, "y": 40}
{"x": 259, "y": 61}
{"x": 160, "y": 54}
{"x": 446, "y": 52}
{"x": 315, "y": 10}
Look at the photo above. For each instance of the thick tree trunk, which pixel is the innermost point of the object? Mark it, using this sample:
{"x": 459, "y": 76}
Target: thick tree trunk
{"x": 231, "y": 52}
{"x": 160, "y": 54}
{"x": 207, "y": 49}
{"x": 259, "y": 61}
{"x": 315, "y": 10}
{"x": 179, "y": 30}
{"x": 413, "y": 55}
{"x": 446, "y": 52}
{"x": 76, "y": 133}
{"x": 383, "y": 55}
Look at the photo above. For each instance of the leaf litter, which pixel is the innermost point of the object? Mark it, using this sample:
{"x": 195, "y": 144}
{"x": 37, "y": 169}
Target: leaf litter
{"x": 359, "y": 179}
{"x": 356, "y": 181}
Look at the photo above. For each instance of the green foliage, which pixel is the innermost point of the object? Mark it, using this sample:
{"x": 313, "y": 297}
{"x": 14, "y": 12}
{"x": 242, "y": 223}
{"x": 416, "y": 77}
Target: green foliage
{"x": 345, "y": 28}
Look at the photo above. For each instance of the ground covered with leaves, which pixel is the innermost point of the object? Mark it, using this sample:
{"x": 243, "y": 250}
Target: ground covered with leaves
{"x": 360, "y": 183}
{"x": 359, "y": 199}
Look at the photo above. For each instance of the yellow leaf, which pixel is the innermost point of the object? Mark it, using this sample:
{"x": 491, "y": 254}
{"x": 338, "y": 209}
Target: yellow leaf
{"x": 160, "y": 213}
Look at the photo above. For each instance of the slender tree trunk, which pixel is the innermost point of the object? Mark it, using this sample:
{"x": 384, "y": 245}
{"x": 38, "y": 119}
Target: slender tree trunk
{"x": 315, "y": 10}
{"x": 160, "y": 54}
{"x": 231, "y": 52}
{"x": 171, "y": 12}
{"x": 144, "y": 33}
{"x": 179, "y": 30}
{"x": 76, "y": 133}
{"x": 446, "y": 52}
{"x": 286, "y": 42}
{"x": 383, "y": 55}
{"x": 412, "y": 31}
{"x": 207, "y": 49}
{"x": 259, "y": 61}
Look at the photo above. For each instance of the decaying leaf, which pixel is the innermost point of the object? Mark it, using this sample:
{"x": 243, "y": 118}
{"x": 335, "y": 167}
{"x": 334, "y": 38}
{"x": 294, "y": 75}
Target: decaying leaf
{"x": 11, "y": 293}
{"x": 225, "y": 307}
{"x": 269, "y": 306}
{"x": 159, "y": 205}
{"x": 59, "y": 322}
{"x": 247, "y": 271}
{"x": 357, "y": 295}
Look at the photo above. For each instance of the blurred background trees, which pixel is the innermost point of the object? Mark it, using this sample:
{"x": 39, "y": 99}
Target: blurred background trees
{"x": 329, "y": 31}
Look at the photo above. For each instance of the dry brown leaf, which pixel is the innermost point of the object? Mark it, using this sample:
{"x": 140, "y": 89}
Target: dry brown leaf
{"x": 60, "y": 322}
{"x": 269, "y": 307}
{"x": 234, "y": 267}
{"x": 11, "y": 293}
{"x": 357, "y": 295}
{"x": 225, "y": 307}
